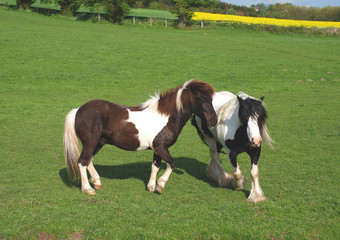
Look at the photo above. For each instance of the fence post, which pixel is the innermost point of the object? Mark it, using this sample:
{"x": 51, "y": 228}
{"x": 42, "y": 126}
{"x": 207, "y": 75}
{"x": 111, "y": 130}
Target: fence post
{"x": 150, "y": 21}
{"x": 134, "y": 20}
{"x": 202, "y": 23}
{"x": 166, "y": 23}
{"x": 98, "y": 17}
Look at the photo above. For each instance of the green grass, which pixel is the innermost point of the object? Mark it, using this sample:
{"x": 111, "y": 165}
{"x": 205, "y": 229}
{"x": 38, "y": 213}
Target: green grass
{"x": 50, "y": 65}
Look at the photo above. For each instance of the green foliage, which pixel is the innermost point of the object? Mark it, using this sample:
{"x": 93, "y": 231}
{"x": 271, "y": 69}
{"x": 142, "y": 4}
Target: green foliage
{"x": 49, "y": 73}
{"x": 67, "y": 7}
{"x": 146, "y": 3}
{"x": 24, "y": 4}
{"x": 155, "y": 5}
{"x": 231, "y": 11}
{"x": 115, "y": 9}
{"x": 184, "y": 9}
{"x": 289, "y": 11}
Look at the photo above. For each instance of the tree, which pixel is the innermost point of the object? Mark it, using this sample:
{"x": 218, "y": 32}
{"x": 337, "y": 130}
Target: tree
{"x": 231, "y": 11}
{"x": 115, "y": 9}
{"x": 24, "y": 4}
{"x": 67, "y": 7}
{"x": 184, "y": 9}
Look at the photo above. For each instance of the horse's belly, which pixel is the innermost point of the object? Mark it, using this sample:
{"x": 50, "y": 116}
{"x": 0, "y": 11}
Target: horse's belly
{"x": 148, "y": 124}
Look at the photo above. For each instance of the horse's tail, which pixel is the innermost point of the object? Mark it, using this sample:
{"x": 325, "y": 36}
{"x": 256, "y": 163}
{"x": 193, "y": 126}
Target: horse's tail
{"x": 71, "y": 146}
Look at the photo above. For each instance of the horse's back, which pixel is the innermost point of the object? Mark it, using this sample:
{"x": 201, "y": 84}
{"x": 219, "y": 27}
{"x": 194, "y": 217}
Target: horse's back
{"x": 221, "y": 98}
{"x": 100, "y": 110}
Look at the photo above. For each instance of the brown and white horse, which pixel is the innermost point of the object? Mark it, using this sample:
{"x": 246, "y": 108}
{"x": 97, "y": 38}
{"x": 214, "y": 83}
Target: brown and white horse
{"x": 154, "y": 124}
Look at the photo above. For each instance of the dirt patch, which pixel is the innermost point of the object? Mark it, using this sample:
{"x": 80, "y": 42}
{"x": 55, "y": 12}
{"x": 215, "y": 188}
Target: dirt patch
{"x": 46, "y": 236}
{"x": 72, "y": 236}
{"x": 75, "y": 236}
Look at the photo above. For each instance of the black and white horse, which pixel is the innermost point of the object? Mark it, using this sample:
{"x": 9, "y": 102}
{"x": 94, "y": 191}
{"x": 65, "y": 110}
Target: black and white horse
{"x": 241, "y": 128}
{"x": 154, "y": 124}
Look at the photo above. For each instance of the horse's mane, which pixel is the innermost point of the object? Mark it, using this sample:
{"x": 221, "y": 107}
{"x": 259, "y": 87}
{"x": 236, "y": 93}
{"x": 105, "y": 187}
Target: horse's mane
{"x": 173, "y": 100}
{"x": 226, "y": 111}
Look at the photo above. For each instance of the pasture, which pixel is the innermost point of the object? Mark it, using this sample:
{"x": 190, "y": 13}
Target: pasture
{"x": 50, "y": 65}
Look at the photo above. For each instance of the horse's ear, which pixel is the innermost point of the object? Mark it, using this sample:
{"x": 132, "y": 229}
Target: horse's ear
{"x": 261, "y": 98}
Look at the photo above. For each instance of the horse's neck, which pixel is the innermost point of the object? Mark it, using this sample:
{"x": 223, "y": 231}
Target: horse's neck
{"x": 228, "y": 126}
{"x": 177, "y": 121}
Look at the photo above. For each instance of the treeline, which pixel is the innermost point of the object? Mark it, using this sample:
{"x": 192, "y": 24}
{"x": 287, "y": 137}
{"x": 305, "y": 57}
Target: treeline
{"x": 116, "y": 10}
{"x": 288, "y": 11}
{"x": 281, "y": 11}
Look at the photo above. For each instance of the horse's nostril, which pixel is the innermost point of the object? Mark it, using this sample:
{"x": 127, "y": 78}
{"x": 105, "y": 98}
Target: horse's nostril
{"x": 252, "y": 140}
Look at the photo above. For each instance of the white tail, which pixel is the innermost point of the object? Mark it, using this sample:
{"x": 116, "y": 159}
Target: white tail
{"x": 71, "y": 146}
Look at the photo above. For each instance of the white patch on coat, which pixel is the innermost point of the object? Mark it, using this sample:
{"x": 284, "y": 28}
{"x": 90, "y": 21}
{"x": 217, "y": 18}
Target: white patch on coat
{"x": 149, "y": 123}
{"x": 226, "y": 107}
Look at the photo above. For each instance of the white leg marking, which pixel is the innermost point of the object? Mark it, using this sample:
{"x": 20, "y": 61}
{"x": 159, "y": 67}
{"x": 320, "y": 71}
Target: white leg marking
{"x": 214, "y": 170}
{"x": 164, "y": 178}
{"x": 256, "y": 194}
{"x": 95, "y": 178}
{"x": 153, "y": 176}
{"x": 85, "y": 185}
{"x": 239, "y": 179}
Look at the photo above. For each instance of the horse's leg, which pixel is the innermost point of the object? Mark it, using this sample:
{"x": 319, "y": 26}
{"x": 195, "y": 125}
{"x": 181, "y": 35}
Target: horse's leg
{"x": 163, "y": 153}
{"x": 154, "y": 170}
{"x": 214, "y": 170}
{"x": 164, "y": 178}
{"x": 83, "y": 163}
{"x": 256, "y": 194}
{"x": 239, "y": 180}
{"x": 95, "y": 178}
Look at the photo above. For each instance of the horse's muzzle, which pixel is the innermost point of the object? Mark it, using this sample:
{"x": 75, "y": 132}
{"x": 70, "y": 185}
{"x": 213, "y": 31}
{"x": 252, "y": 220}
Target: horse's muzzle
{"x": 256, "y": 142}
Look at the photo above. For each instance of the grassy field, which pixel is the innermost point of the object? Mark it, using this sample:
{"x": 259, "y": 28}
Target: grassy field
{"x": 50, "y": 65}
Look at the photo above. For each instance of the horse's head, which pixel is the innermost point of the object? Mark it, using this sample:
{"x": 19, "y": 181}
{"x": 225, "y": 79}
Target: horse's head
{"x": 253, "y": 115}
{"x": 201, "y": 97}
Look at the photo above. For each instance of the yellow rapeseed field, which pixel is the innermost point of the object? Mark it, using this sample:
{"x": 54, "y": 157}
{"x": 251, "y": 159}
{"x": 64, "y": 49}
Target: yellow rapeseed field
{"x": 265, "y": 21}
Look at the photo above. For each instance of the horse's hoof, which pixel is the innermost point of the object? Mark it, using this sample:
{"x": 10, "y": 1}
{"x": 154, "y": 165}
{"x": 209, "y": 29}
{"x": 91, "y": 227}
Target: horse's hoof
{"x": 256, "y": 199}
{"x": 152, "y": 188}
{"x": 256, "y": 196}
{"x": 159, "y": 189}
{"x": 97, "y": 187}
{"x": 89, "y": 191}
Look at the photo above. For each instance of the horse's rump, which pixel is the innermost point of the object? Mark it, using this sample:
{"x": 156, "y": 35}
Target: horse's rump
{"x": 106, "y": 122}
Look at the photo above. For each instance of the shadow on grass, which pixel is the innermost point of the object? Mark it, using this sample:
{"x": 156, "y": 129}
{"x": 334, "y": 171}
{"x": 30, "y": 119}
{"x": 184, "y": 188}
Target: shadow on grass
{"x": 142, "y": 170}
